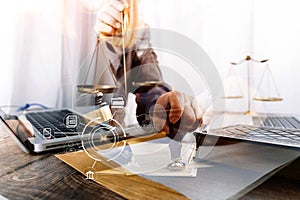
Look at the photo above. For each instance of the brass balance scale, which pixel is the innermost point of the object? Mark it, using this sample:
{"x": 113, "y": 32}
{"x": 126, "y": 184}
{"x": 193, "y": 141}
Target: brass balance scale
{"x": 267, "y": 74}
{"x": 97, "y": 90}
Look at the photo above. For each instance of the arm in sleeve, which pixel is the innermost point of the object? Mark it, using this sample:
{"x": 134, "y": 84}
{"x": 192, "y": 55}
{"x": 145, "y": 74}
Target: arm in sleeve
{"x": 145, "y": 67}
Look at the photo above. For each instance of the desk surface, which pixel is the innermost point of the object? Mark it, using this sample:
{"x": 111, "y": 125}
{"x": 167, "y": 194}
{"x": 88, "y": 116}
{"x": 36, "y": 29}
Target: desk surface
{"x": 46, "y": 177}
{"x": 42, "y": 176}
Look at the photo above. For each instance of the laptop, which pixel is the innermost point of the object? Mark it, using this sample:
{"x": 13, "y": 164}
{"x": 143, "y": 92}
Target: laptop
{"x": 45, "y": 130}
{"x": 271, "y": 129}
{"x": 64, "y": 129}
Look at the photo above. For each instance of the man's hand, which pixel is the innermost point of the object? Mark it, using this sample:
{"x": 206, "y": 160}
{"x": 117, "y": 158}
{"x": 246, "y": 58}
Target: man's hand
{"x": 109, "y": 18}
{"x": 176, "y": 112}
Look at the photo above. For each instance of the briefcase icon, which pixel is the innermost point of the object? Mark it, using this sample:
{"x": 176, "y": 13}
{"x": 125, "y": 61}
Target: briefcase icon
{"x": 117, "y": 102}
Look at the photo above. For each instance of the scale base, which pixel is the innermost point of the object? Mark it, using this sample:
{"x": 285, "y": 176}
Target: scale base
{"x": 249, "y": 112}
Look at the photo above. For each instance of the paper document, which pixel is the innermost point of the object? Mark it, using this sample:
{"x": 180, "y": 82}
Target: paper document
{"x": 152, "y": 158}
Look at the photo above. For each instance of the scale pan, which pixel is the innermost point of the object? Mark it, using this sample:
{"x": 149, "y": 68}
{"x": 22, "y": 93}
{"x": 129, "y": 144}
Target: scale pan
{"x": 147, "y": 83}
{"x": 268, "y": 99}
{"x": 93, "y": 89}
{"x": 233, "y": 97}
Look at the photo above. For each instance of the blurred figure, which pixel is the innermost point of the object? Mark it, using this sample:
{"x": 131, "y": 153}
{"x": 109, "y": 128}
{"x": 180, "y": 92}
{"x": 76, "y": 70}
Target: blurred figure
{"x": 172, "y": 111}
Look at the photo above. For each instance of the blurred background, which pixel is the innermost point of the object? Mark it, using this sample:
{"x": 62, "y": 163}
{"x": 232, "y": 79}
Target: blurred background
{"x": 44, "y": 42}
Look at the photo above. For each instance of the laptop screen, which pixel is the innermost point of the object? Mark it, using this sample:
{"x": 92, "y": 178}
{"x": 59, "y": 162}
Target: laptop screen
{"x": 18, "y": 132}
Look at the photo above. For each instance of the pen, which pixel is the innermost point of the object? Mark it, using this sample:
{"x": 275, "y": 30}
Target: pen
{"x": 199, "y": 140}
{"x": 192, "y": 155}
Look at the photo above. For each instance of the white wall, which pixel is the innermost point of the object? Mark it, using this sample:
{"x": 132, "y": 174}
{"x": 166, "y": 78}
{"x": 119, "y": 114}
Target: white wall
{"x": 277, "y": 37}
{"x": 227, "y": 30}
{"x": 30, "y": 52}
{"x": 7, "y": 33}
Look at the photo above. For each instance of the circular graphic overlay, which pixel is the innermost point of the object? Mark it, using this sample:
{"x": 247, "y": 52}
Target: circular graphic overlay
{"x": 107, "y": 144}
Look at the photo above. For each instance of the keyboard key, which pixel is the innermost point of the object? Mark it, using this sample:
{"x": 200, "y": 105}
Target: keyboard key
{"x": 295, "y": 122}
{"x": 59, "y": 135}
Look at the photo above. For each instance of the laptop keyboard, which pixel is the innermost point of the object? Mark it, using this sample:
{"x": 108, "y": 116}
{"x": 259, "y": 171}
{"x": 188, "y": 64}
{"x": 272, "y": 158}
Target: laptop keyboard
{"x": 52, "y": 124}
{"x": 288, "y": 122}
{"x": 271, "y": 135}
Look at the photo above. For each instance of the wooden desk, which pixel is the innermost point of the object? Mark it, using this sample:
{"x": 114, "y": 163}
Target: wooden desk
{"x": 46, "y": 177}
{"x": 43, "y": 176}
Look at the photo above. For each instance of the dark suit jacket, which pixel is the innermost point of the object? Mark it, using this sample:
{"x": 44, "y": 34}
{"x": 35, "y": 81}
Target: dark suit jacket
{"x": 141, "y": 66}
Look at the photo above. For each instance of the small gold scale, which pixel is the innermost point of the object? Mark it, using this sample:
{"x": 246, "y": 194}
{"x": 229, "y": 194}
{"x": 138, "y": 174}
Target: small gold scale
{"x": 272, "y": 95}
